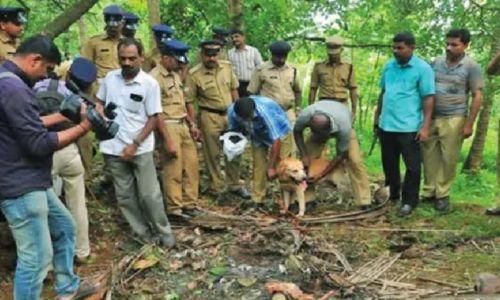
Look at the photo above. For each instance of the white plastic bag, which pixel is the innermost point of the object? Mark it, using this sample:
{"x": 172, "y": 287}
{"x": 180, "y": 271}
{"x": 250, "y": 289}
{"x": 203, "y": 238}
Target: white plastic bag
{"x": 233, "y": 149}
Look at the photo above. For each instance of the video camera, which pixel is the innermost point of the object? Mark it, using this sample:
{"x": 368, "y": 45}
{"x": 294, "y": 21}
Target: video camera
{"x": 104, "y": 128}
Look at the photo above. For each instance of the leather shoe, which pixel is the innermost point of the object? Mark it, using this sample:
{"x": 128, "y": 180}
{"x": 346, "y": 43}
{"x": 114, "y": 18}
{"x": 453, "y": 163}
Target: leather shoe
{"x": 167, "y": 241}
{"x": 427, "y": 199}
{"x": 85, "y": 289}
{"x": 242, "y": 192}
{"x": 405, "y": 210}
{"x": 442, "y": 204}
{"x": 495, "y": 211}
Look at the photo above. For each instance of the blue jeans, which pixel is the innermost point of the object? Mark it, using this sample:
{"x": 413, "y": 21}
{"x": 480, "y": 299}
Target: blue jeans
{"x": 44, "y": 232}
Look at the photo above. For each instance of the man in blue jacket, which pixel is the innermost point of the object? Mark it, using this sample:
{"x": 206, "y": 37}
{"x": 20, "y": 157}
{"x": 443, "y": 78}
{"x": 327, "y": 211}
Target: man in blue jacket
{"x": 42, "y": 227}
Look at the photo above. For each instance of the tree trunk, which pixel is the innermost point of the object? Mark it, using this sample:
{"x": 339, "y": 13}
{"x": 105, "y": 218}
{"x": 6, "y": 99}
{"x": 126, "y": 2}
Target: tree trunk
{"x": 64, "y": 20}
{"x": 154, "y": 14}
{"x": 82, "y": 31}
{"x": 475, "y": 156}
{"x": 236, "y": 13}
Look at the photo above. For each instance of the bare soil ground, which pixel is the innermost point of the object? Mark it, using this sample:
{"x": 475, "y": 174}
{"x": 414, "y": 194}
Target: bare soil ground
{"x": 229, "y": 252}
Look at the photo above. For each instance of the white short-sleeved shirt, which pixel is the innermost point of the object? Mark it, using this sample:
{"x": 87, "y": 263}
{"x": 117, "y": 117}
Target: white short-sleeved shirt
{"x": 136, "y": 101}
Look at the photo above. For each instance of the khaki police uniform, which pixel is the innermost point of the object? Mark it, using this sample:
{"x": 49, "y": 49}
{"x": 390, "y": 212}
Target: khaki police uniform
{"x": 103, "y": 52}
{"x": 8, "y": 46}
{"x": 334, "y": 83}
{"x": 279, "y": 84}
{"x": 180, "y": 174}
{"x": 211, "y": 89}
{"x": 152, "y": 60}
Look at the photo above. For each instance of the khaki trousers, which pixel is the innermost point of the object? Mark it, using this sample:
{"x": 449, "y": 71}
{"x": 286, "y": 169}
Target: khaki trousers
{"x": 288, "y": 148}
{"x": 259, "y": 173}
{"x": 67, "y": 164}
{"x": 355, "y": 168}
{"x": 180, "y": 175}
{"x": 86, "y": 147}
{"x": 212, "y": 125}
{"x": 440, "y": 156}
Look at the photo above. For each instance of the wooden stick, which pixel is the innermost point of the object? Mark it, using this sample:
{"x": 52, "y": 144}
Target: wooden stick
{"x": 404, "y": 229}
{"x": 441, "y": 282}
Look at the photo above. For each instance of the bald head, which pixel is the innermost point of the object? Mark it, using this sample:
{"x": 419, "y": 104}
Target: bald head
{"x": 320, "y": 123}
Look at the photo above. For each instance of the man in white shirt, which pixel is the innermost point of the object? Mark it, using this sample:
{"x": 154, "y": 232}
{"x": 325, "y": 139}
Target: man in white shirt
{"x": 129, "y": 155}
{"x": 245, "y": 59}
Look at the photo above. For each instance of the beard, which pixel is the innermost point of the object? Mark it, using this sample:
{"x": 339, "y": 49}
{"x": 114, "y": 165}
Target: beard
{"x": 130, "y": 72}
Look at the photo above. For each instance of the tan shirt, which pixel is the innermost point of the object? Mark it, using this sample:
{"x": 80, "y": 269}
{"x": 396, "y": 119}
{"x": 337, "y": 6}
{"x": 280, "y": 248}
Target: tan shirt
{"x": 172, "y": 94}
{"x": 211, "y": 88}
{"x": 8, "y": 46}
{"x": 334, "y": 81}
{"x": 152, "y": 60}
{"x": 103, "y": 52}
{"x": 278, "y": 83}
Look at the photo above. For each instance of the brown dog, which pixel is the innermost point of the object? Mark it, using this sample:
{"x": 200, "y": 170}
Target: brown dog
{"x": 292, "y": 178}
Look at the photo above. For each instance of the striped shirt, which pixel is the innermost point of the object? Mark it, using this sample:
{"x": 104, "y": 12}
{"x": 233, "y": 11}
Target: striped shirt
{"x": 245, "y": 61}
{"x": 269, "y": 123}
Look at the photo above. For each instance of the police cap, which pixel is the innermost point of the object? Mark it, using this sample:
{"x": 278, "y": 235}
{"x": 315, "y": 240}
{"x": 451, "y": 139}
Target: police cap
{"x": 280, "y": 48}
{"x": 113, "y": 15}
{"x": 334, "y": 44}
{"x": 15, "y": 15}
{"x": 176, "y": 49}
{"x": 221, "y": 31}
{"x": 131, "y": 20}
{"x": 211, "y": 47}
{"x": 113, "y": 9}
{"x": 162, "y": 32}
{"x": 83, "y": 70}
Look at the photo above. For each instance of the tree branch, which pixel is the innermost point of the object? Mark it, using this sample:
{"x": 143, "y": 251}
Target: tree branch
{"x": 70, "y": 15}
{"x": 24, "y": 5}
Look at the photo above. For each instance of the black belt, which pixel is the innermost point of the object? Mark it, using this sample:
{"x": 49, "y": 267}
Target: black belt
{"x": 215, "y": 111}
{"x": 333, "y": 99}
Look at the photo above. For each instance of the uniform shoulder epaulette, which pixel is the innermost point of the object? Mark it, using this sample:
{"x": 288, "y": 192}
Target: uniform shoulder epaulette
{"x": 195, "y": 68}
{"x": 97, "y": 36}
{"x": 224, "y": 62}
{"x": 345, "y": 61}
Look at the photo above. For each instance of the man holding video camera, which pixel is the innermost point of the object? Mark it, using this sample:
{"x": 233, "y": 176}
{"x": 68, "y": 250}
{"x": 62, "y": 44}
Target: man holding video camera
{"x": 42, "y": 227}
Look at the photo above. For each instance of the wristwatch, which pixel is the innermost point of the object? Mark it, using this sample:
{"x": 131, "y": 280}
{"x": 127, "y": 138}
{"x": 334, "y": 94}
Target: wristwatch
{"x": 136, "y": 142}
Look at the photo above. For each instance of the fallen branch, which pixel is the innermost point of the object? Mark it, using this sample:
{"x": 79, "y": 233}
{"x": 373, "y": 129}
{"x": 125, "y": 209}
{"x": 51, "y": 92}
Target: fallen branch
{"x": 341, "y": 258}
{"x": 337, "y": 219}
{"x": 404, "y": 229}
{"x": 441, "y": 282}
{"x": 373, "y": 269}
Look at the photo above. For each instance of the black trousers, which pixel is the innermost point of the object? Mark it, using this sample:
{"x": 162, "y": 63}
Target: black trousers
{"x": 394, "y": 145}
{"x": 242, "y": 89}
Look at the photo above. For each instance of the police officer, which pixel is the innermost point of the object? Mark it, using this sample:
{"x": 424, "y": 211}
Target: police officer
{"x": 277, "y": 80}
{"x": 162, "y": 33}
{"x": 180, "y": 164}
{"x": 101, "y": 49}
{"x": 213, "y": 85}
{"x": 12, "y": 20}
{"x": 221, "y": 34}
{"x": 336, "y": 82}
{"x": 131, "y": 23}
